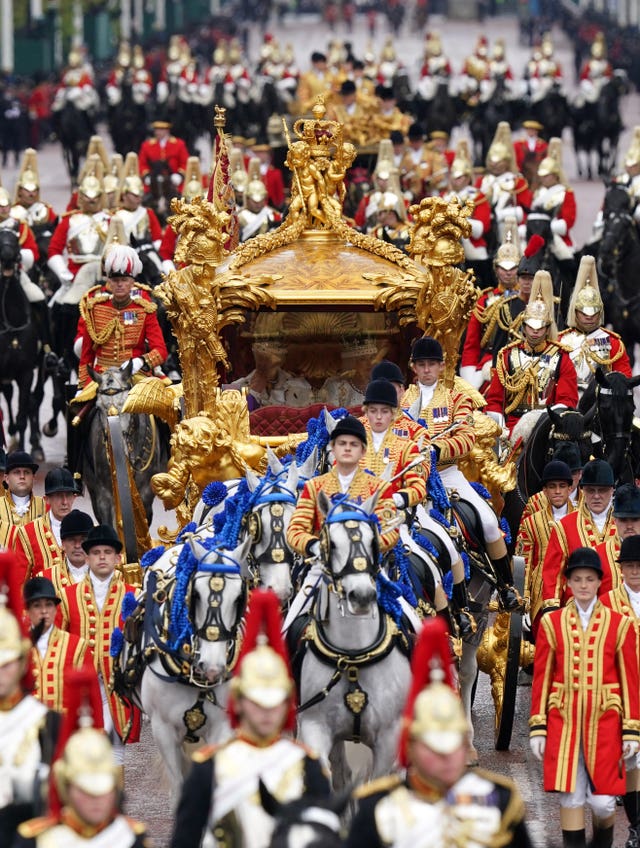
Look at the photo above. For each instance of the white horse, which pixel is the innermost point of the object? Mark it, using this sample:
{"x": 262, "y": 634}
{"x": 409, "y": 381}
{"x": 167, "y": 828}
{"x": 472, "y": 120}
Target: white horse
{"x": 183, "y": 639}
{"x": 354, "y": 675}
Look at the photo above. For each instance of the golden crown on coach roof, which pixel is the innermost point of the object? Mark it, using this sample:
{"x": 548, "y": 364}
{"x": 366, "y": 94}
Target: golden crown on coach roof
{"x": 322, "y": 137}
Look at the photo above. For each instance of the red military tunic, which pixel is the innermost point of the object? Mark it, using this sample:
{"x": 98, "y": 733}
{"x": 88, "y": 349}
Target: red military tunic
{"x": 81, "y": 236}
{"x": 65, "y": 652}
{"x": 25, "y": 235}
{"x": 490, "y": 313}
{"x": 274, "y": 182}
{"x": 586, "y": 693}
{"x": 576, "y": 530}
{"x": 110, "y": 335}
{"x": 174, "y": 152}
{"x": 601, "y": 347}
{"x": 552, "y": 380}
{"x": 399, "y": 453}
{"x": 81, "y": 617}
{"x": 556, "y": 203}
{"x": 307, "y": 519}
{"x": 609, "y": 551}
{"x": 10, "y": 518}
{"x": 35, "y": 547}
{"x": 525, "y": 151}
{"x": 475, "y": 247}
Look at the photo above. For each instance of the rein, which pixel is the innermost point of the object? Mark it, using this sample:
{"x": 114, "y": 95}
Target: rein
{"x": 5, "y": 326}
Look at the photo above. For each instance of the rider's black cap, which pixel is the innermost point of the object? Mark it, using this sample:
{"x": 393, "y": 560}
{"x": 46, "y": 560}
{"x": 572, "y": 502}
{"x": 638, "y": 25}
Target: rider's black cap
{"x": 583, "y": 558}
{"x": 381, "y": 391}
{"x": 626, "y": 501}
{"x": 387, "y": 370}
{"x": 630, "y": 549}
{"x": 598, "y": 472}
{"x": 350, "y": 426}
{"x": 556, "y": 470}
{"x": 76, "y": 523}
{"x": 426, "y": 348}
{"x": 103, "y": 534}
{"x": 20, "y": 459}
{"x": 38, "y": 588}
{"x": 59, "y": 480}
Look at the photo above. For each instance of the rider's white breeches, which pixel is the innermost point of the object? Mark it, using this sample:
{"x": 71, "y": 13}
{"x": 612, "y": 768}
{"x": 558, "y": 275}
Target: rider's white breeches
{"x": 453, "y": 478}
{"x": 302, "y": 602}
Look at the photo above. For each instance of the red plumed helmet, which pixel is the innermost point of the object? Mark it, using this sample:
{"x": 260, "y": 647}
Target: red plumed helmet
{"x": 433, "y": 711}
{"x": 263, "y": 672}
{"x": 535, "y": 243}
{"x": 533, "y": 256}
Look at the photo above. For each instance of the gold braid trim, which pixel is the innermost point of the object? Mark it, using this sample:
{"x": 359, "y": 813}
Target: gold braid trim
{"x": 524, "y": 380}
{"x": 592, "y": 357}
{"x": 114, "y": 326}
{"x": 497, "y": 314}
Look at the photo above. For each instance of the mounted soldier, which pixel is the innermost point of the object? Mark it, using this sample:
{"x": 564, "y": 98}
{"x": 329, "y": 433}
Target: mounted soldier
{"x": 141, "y": 225}
{"x": 596, "y": 70}
{"x": 32, "y": 211}
{"x": 163, "y": 148}
{"x": 589, "y": 343}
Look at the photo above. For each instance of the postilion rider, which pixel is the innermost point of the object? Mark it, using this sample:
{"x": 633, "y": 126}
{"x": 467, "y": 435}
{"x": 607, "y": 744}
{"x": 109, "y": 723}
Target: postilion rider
{"x": 448, "y": 416}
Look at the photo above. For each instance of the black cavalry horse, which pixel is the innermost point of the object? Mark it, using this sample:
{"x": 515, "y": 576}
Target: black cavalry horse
{"x": 614, "y": 422}
{"x": 553, "y": 112}
{"x": 161, "y": 190}
{"x": 127, "y": 121}
{"x": 550, "y": 431}
{"x": 485, "y": 119}
{"x": 618, "y": 263}
{"x": 74, "y": 127}
{"x": 18, "y": 345}
{"x": 597, "y": 127}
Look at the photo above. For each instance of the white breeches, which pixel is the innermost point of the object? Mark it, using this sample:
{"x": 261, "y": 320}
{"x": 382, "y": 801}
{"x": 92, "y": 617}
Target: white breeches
{"x": 602, "y": 806}
{"x": 453, "y": 478}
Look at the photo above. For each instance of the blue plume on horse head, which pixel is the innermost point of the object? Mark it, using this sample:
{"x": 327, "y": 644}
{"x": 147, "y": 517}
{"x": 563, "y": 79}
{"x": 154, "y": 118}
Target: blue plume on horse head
{"x": 129, "y": 604}
{"x": 117, "y": 641}
{"x": 152, "y": 556}
{"x": 318, "y": 434}
{"x": 214, "y": 493}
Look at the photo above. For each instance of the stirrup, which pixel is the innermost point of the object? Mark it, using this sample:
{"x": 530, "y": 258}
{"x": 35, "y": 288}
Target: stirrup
{"x": 466, "y": 622}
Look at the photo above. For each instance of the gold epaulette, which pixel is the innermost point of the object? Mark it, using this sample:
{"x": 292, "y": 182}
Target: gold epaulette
{"x": 614, "y": 334}
{"x": 69, "y": 212}
{"x": 477, "y": 398}
{"x": 380, "y": 784}
{"x": 209, "y": 751}
{"x": 34, "y": 827}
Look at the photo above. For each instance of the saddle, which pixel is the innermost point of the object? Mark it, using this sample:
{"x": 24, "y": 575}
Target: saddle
{"x": 468, "y": 520}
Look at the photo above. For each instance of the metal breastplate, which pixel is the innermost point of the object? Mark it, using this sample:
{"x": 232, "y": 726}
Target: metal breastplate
{"x": 546, "y": 363}
{"x": 135, "y": 224}
{"x": 87, "y": 239}
{"x": 37, "y": 214}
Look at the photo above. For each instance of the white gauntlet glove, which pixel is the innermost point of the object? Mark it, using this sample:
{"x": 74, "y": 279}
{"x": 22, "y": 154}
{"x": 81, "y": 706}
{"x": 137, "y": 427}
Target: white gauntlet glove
{"x": 537, "y": 745}
{"x": 399, "y": 500}
{"x": 136, "y": 364}
{"x": 629, "y": 750}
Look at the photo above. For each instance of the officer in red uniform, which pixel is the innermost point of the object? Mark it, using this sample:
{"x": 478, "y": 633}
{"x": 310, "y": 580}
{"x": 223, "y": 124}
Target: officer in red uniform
{"x": 164, "y": 147}
{"x": 135, "y": 336}
{"x": 535, "y": 372}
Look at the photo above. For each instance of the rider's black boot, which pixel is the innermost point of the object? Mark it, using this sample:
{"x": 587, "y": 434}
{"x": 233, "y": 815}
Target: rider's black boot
{"x": 574, "y": 839}
{"x": 460, "y": 602}
{"x": 510, "y": 600}
{"x": 40, "y": 312}
{"x": 602, "y": 837}
{"x": 631, "y": 803}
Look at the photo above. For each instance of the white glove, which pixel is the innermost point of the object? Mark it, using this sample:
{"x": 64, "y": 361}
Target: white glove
{"x": 60, "y": 268}
{"x": 629, "y": 749}
{"x": 477, "y": 228}
{"x": 77, "y": 346}
{"x": 398, "y": 500}
{"x": 314, "y": 549}
{"x": 498, "y": 417}
{"x": 486, "y": 371}
{"x": 559, "y": 227}
{"x": 537, "y": 745}
{"x": 136, "y": 364}
{"x": 472, "y": 375}
{"x": 506, "y": 212}
{"x": 167, "y": 266}
{"x": 26, "y": 257}
{"x": 176, "y": 179}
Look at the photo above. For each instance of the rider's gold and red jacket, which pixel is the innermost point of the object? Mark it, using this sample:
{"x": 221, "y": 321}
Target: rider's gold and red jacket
{"x": 398, "y": 453}
{"x": 9, "y": 517}
{"x": 35, "y": 547}
{"x": 174, "y": 152}
{"x": 585, "y": 697}
{"x": 81, "y": 616}
{"x": 64, "y": 653}
{"x": 533, "y": 537}
{"x": 307, "y": 519}
{"x": 111, "y": 336}
{"x": 449, "y": 417}
{"x": 576, "y": 530}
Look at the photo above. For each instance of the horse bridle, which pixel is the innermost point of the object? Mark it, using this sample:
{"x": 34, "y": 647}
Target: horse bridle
{"x": 358, "y": 560}
{"x": 254, "y": 524}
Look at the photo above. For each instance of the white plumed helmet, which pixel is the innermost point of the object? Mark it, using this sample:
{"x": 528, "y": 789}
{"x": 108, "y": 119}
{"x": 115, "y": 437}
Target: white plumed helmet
{"x": 121, "y": 260}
